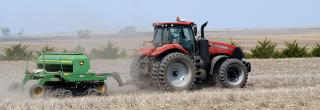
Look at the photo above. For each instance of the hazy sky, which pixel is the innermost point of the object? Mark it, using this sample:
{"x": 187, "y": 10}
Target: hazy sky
{"x": 111, "y": 15}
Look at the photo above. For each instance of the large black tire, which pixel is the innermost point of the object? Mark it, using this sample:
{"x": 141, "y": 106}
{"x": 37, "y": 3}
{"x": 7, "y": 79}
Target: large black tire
{"x": 155, "y": 73}
{"x": 175, "y": 72}
{"x": 140, "y": 72}
{"x": 37, "y": 91}
{"x": 233, "y": 73}
{"x": 214, "y": 78}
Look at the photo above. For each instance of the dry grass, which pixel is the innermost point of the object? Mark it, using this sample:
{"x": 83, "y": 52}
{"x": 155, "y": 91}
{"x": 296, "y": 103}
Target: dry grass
{"x": 273, "y": 84}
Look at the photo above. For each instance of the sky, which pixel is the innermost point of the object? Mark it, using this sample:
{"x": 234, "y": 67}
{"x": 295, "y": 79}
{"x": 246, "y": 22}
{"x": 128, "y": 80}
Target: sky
{"x": 35, "y": 16}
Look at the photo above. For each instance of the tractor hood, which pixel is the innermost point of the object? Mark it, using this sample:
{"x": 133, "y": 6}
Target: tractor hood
{"x": 215, "y": 48}
{"x": 222, "y": 45}
{"x": 220, "y": 48}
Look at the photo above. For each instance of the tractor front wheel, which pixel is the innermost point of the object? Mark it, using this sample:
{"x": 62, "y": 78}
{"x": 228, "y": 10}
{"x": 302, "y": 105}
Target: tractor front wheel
{"x": 233, "y": 73}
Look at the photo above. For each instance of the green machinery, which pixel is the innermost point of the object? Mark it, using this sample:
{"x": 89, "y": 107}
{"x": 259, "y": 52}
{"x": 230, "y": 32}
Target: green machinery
{"x": 66, "y": 74}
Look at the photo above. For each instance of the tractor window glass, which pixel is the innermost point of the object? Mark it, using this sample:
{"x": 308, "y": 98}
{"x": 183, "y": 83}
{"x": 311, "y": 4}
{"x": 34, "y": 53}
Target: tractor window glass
{"x": 165, "y": 35}
{"x": 187, "y": 40}
{"x": 187, "y": 33}
{"x": 175, "y": 34}
{"x": 157, "y": 36}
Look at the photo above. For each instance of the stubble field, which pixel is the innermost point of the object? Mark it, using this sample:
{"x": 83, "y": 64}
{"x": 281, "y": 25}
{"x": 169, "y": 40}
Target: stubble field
{"x": 272, "y": 84}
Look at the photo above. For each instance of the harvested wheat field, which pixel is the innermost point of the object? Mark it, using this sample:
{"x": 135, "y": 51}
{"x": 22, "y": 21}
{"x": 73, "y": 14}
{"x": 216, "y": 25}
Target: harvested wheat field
{"x": 272, "y": 84}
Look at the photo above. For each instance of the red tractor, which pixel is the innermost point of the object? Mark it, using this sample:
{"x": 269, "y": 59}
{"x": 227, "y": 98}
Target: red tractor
{"x": 179, "y": 60}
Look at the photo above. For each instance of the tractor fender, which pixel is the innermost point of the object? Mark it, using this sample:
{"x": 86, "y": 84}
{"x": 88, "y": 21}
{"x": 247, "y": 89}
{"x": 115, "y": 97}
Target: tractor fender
{"x": 167, "y": 47}
{"x": 215, "y": 60}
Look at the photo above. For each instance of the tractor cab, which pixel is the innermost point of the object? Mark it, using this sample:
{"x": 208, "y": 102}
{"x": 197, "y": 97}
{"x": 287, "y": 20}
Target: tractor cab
{"x": 175, "y": 32}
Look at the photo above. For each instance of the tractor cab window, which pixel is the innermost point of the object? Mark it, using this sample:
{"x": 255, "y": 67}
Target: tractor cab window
{"x": 157, "y": 36}
{"x": 175, "y": 34}
{"x": 181, "y": 34}
{"x": 187, "y": 34}
{"x": 178, "y": 34}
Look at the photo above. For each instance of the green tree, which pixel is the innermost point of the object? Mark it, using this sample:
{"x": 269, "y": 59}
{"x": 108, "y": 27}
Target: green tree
{"x": 293, "y": 49}
{"x": 16, "y": 52}
{"x": 265, "y": 49}
{"x": 108, "y": 52}
{"x": 316, "y": 50}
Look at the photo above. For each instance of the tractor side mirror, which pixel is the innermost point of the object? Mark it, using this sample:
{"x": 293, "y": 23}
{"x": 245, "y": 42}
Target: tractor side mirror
{"x": 195, "y": 30}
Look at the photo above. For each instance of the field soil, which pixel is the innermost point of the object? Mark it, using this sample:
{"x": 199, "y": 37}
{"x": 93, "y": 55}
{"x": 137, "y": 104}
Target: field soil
{"x": 272, "y": 84}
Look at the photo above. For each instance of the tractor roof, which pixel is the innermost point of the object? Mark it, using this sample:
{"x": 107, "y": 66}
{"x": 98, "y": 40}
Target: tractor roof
{"x": 173, "y": 23}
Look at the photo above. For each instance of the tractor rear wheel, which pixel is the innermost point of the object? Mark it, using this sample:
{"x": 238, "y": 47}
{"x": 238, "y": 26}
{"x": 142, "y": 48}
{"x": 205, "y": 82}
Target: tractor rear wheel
{"x": 37, "y": 91}
{"x": 233, "y": 73}
{"x": 176, "y": 71}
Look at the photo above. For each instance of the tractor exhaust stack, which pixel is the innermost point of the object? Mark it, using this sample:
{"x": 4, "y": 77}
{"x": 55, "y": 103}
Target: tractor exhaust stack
{"x": 204, "y": 47}
{"x": 202, "y": 29}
